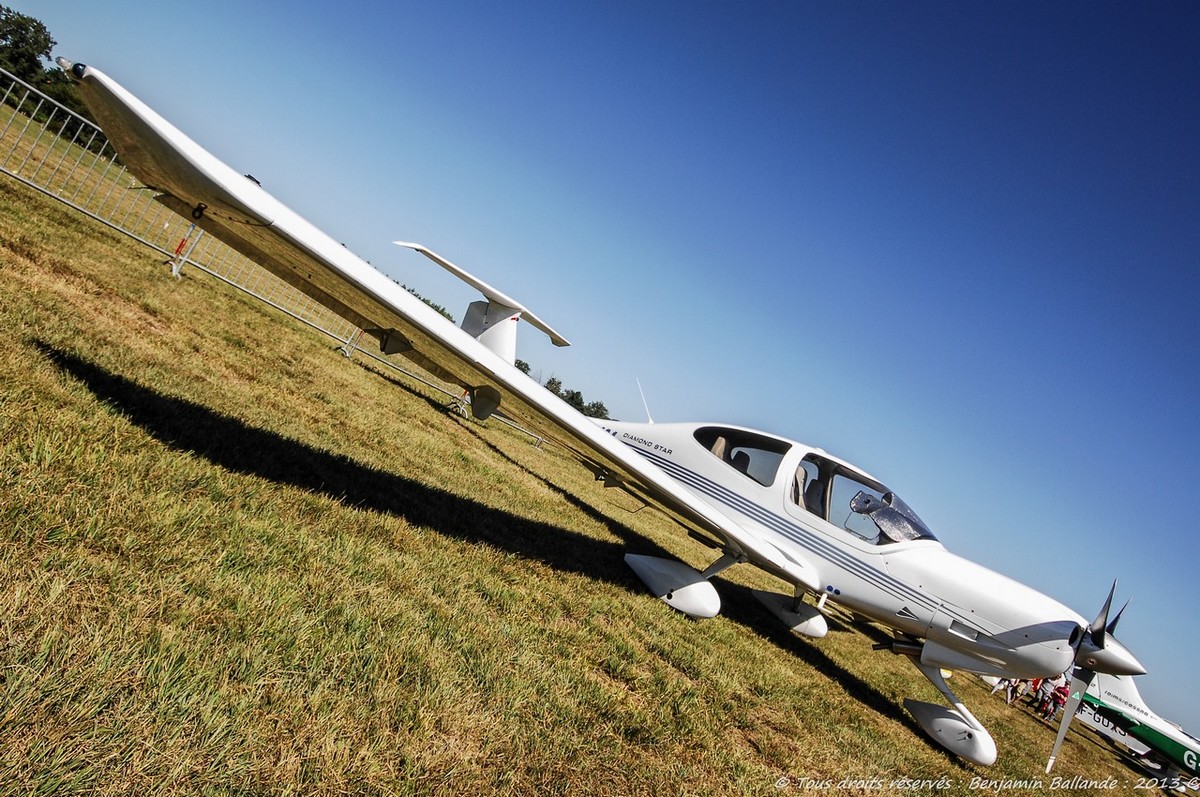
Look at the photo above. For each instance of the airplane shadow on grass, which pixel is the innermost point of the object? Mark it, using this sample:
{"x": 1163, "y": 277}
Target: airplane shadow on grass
{"x": 232, "y": 444}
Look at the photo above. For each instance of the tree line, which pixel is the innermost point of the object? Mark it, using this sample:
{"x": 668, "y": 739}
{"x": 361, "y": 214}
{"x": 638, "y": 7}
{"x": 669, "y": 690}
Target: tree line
{"x": 25, "y": 51}
{"x": 592, "y": 409}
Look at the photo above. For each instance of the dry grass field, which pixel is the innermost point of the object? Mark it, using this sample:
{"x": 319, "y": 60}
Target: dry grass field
{"x": 237, "y": 562}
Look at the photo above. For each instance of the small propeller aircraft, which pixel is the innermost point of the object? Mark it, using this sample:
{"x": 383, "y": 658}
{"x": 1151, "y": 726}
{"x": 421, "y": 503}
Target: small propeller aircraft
{"x": 1116, "y": 699}
{"x": 1095, "y": 721}
{"x": 826, "y": 528}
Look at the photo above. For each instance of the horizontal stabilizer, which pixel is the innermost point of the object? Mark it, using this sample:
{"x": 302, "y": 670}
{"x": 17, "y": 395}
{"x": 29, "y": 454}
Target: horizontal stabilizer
{"x": 492, "y": 295}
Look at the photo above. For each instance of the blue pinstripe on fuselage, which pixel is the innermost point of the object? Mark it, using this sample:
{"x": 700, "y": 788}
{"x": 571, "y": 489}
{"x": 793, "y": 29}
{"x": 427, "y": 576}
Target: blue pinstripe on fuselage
{"x": 799, "y": 535}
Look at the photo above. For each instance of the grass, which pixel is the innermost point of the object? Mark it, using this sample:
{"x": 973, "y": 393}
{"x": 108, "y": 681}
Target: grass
{"x": 235, "y": 562}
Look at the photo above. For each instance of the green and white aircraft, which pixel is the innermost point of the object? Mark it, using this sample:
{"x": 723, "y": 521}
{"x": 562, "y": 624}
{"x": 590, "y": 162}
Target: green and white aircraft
{"x": 1116, "y": 698}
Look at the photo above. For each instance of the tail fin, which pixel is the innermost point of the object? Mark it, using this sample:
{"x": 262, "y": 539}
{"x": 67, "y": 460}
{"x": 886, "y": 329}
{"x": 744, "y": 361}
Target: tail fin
{"x": 1121, "y": 693}
{"x": 489, "y": 321}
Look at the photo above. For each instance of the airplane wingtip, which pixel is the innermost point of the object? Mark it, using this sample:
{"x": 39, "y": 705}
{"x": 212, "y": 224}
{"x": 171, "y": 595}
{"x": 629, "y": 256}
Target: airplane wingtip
{"x": 72, "y": 68}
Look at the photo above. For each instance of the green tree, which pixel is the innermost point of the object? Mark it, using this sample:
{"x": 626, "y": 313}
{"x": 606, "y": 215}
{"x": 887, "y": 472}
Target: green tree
{"x": 574, "y": 398}
{"x": 25, "y": 51}
{"x": 596, "y": 409}
{"x": 25, "y": 45}
{"x": 522, "y": 366}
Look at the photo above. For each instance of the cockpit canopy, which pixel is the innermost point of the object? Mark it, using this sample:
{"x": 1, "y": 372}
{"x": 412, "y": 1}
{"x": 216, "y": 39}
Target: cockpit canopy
{"x": 855, "y": 502}
{"x": 831, "y": 490}
{"x": 756, "y": 455}
{"x": 895, "y": 519}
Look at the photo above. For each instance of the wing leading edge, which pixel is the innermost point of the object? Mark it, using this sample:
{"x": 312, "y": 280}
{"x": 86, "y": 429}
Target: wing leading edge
{"x": 237, "y": 211}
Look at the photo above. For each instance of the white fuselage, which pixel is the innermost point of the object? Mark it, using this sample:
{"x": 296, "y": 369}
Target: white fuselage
{"x": 972, "y": 618}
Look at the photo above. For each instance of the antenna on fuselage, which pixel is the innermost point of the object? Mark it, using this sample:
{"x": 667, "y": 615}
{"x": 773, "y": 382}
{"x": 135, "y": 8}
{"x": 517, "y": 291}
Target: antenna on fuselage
{"x": 644, "y": 404}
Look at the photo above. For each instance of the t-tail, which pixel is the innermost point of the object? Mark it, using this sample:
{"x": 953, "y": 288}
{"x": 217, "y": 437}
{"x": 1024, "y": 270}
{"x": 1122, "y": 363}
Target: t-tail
{"x": 492, "y": 322}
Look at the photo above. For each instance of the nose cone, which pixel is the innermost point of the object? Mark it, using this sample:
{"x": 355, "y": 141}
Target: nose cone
{"x": 1113, "y": 659}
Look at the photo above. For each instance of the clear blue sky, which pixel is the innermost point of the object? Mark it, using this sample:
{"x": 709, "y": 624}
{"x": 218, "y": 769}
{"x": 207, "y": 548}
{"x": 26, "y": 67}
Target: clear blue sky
{"x": 956, "y": 243}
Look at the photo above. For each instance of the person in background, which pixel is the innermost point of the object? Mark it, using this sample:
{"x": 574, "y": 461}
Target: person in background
{"x": 1058, "y": 699}
{"x": 1044, "y": 694}
{"x": 1016, "y": 688}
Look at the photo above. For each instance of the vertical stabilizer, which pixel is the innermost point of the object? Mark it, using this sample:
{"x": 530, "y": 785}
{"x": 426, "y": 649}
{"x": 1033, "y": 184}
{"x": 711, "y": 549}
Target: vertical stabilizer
{"x": 495, "y": 326}
{"x": 1120, "y": 692}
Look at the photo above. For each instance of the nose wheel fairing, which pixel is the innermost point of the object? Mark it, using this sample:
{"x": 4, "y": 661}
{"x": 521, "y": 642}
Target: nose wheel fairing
{"x": 956, "y": 728}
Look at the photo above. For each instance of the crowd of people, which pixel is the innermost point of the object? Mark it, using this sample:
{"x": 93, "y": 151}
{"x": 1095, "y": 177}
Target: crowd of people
{"x": 1046, "y": 696}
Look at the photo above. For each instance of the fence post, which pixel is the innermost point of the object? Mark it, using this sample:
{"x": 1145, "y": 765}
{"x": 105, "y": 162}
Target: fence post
{"x": 178, "y": 261}
{"x": 350, "y": 345}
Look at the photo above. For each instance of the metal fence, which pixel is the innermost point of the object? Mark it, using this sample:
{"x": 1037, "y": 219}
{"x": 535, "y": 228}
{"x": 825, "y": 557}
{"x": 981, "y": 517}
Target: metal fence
{"x": 63, "y": 155}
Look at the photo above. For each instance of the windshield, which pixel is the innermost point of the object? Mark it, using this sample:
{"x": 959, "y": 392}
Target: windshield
{"x": 895, "y": 519}
{"x": 854, "y": 502}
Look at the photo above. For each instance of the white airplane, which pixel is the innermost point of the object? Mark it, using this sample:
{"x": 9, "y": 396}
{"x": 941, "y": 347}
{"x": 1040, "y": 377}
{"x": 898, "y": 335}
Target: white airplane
{"x": 826, "y": 528}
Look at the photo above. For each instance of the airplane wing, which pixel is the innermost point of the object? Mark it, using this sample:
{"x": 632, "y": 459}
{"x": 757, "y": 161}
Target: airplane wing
{"x": 236, "y": 210}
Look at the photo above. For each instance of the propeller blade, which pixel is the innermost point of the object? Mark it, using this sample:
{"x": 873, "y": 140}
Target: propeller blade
{"x": 1112, "y": 627}
{"x": 1096, "y": 629}
{"x": 1080, "y": 680}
